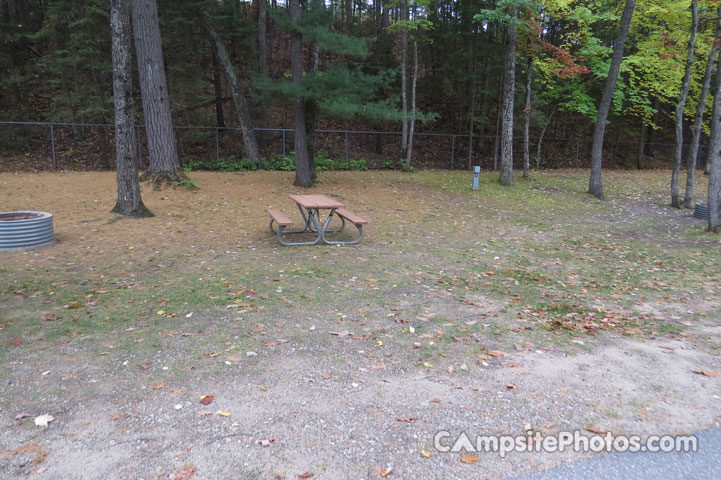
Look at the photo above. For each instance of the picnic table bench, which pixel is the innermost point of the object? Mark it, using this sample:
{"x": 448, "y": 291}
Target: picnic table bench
{"x": 310, "y": 207}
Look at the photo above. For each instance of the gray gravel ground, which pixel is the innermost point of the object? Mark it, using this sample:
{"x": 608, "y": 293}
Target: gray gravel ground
{"x": 704, "y": 464}
{"x": 345, "y": 409}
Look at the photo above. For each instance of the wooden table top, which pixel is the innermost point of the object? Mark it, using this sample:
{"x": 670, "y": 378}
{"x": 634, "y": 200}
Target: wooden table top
{"x": 315, "y": 201}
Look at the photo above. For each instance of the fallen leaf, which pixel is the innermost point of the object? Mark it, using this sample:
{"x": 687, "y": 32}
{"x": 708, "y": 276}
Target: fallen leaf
{"x": 74, "y": 305}
{"x": 144, "y": 366}
{"x": 223, "y": 413}
{"x": 510, "y": 386}
{"x": 706, "y": 373}
{"x": 185, "y": 473}
{"x": 20, "y": 416}
{"x": 160, "y": 385}
{"x": 596, "y": 430}
{"x": 305, "y": 475}
{"x": 213, "y": 354}
{"x": 52, "y": 318}
{"x": 16, "y": 342}
{"x": 469, "y": 458}
{"x": 207, "y": 400}
{"x": 425, "y": 454}
{"x": 234, "y": 358}
{"x": 43, "y": 420}
{"x": 495, "y": 353}
{"x": 386, "y": 471}
{"x": 406, "y": 419}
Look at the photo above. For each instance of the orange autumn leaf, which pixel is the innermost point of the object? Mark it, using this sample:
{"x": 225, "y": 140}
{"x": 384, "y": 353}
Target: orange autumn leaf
{"x": 469, "y": 458}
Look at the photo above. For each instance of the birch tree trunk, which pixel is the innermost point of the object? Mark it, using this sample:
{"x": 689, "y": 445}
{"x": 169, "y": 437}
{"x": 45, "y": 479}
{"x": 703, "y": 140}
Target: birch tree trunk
{"x": 527, "y": 119}
{"x": 162, "y": 146}
{"x": 509, "y": 84}
{"x": 714, "y": 160}
{"x": 413, "y": 104}
{"x": 129, "y": 201}
{"x": 697, "y": 127}
{"x": 595, "y": 183}
{"x": 302, "y": 167}
{"x": 681, "y": 107}
{"x": 241, "y": 106}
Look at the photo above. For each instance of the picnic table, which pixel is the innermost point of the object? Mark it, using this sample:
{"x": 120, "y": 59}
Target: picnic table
{"x": 315, "y": 220}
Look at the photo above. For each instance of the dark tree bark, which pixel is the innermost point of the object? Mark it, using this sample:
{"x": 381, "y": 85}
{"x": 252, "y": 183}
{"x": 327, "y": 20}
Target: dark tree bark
{"x": 697, "y": 127}
{"x": 681, "y": 107}
{"x": 595, "y": 184}
{"x": 263, "y": 37}
{"x": 303, "y": 176}
{"x": 641, "y": 146}
{"x": 527, "y": 119}
{"x": 162, "y": 145}
{"x": 311, "y": 111}
{"x": 713, "y": 162}
{"x": 241, "y": 106}
{"x": 218, "y": 89}
{"x": 509, "y": 85}
{"x": 129, "y": 201}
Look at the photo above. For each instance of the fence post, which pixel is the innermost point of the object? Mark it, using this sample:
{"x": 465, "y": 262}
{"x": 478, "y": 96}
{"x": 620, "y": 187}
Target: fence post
{"x": 52, "y": 145}
{"x": 217, "y": 147}
{"x": 453, "y": 150}
{"x": 346, "y": 146}
{"x": 284, "y": 142}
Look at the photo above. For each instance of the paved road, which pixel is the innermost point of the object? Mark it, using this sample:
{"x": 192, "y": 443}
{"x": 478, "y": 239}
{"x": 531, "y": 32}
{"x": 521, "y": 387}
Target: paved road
{"x": 702, "y": 465}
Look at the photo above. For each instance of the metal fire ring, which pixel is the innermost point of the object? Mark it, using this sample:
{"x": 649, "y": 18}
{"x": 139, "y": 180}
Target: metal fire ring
{"x": 25, "y": 228}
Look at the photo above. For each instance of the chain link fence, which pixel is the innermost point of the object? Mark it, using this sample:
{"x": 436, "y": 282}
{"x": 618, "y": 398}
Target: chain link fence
{"x": 61, "y": 145}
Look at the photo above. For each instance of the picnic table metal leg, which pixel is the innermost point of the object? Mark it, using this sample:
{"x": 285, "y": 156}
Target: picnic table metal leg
{"x": 341, "y": 242}
{"x": 281, "y": 231}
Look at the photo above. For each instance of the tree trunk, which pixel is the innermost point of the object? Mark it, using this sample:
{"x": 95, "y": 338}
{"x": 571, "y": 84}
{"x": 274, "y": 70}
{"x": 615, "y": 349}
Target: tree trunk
{"x": 246, "y": 123}
{"x": 714, "y": 159}
{"x": 302, "y": 166}
{"x": 540, "y": 139}
{"x": 413, "y": 104}
{"x": 681, "y": 107}
{"x": 404, "y": 75}
{"x": 497, "y": 138}
{"x": 527, "y": 119}
{"x": 162, "y": 146}
{"x": 509, "y": 84}
{"x": 472, "y": 111}
{"x": 218, "y": 89}
{"x": 697, "y": 127}
{"x": 129, "y": 201}
{"x": 641, "y": 145}
{"x": 263, "y": 37}
{"x": 595, "y": 184}
{"x": 311, "y": 111}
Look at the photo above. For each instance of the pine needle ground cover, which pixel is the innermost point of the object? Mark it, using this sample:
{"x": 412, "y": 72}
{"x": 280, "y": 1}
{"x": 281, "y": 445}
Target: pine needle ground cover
{"x": 192, "y": 344}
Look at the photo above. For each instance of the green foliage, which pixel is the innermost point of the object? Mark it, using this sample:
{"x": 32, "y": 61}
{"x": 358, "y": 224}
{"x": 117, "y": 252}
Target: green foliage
{"x": 223, "y": 164}
{"x": 186, "y": 183}
{"x": 285, "y": 163}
